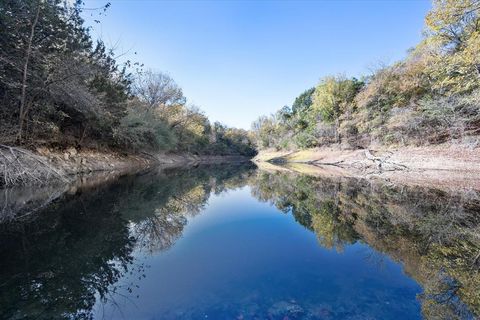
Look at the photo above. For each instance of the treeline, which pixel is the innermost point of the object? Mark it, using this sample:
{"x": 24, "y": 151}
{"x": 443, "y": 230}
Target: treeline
{"x": 432, "y": 96}
{"x": 59, "y": 88}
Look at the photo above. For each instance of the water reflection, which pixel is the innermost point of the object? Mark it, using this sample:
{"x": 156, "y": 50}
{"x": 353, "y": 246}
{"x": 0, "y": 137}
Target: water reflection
{"x": 435, "y": 234}
{"x": 89, "y": 246}
{"x": 55, "y": 264}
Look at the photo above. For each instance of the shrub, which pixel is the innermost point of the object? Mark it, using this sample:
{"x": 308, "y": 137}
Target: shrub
{"x": 142, "y": 130}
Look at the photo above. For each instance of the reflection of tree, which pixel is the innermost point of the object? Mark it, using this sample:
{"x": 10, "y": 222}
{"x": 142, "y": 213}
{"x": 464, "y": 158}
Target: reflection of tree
{"x": 78, "y": 248}
{"x": 53, "y": 267}
{"x": 160, "y": 230}
{"x": 432, "y": 232}
{"x": 460, "y": 277}
{"x": 317, "y": 213}
{"x": 332, "y": 231}
{"x": 158, "y": 204}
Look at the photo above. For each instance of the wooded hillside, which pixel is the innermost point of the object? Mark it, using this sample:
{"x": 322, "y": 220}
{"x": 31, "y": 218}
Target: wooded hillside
{"x": 430, "y": 97}
{"x": 60, "y": 88}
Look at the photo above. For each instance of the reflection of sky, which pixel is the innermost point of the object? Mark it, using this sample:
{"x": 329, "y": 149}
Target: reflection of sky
{"x": 240, "y": 253}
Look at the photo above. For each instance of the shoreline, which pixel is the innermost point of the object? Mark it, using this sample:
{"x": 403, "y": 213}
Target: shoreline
{"x": 443, "y": 166}
{"x": 43, "y": 166}
{"x": 21, "y": 202}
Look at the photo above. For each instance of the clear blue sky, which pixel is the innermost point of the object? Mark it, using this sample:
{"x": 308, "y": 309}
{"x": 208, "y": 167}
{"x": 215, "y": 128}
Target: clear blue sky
{"x": 238, "y": 60}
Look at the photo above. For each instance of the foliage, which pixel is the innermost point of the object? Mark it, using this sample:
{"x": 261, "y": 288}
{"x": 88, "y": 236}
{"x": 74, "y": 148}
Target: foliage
{"x": 453, "y": 29}
{"x": 144, "y": 130}
{"x": 333, "y": 95}
{"x": 303, "y": 101}
{"x": 57, "y": 84}
{"x": 60, "y": 89}
{"x": 431, "y": 96}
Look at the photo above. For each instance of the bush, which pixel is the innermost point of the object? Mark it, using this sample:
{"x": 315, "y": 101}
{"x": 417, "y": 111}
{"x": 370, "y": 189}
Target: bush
{"x": 142, "y": 130}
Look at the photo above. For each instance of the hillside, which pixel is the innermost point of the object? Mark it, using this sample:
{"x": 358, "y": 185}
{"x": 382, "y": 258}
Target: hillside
{"x": 62, "y": 90}
{"x": 429, "y": 98}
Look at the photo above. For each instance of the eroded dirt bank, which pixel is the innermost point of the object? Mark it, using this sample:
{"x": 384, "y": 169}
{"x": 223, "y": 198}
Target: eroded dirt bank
{"x": 441, "y": 166}
{"x": 24, "y": 167}
{"x": 90, "y": 170}
{"x": 73, "y": 162}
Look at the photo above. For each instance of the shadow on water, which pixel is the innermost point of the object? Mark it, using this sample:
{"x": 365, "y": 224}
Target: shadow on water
{"x": 59, "y": 262}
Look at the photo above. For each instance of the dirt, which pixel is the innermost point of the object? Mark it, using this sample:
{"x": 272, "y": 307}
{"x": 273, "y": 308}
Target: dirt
{"x": 72, "y": 161}
{"x": 84, "y": 170}
{"x": 443, "y": 166}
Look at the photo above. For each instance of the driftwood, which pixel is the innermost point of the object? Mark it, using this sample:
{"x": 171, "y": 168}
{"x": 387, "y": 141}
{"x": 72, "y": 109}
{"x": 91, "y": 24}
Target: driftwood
{"x": 20, "y": 166}
{"x": 383, "y": 164}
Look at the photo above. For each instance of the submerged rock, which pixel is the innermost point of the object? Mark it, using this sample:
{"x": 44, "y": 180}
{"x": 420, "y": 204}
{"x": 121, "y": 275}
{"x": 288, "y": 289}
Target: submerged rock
{"x": 285, "y": 310}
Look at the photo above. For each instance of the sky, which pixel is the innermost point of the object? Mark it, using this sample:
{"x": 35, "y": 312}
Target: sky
{"x": 238, "y": 60}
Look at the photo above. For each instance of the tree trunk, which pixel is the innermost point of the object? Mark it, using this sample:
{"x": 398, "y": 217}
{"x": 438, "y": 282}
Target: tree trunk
{"x": 28, "y": 53}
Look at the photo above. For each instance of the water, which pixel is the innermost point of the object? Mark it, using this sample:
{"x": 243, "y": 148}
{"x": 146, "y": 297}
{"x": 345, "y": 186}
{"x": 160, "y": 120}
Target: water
{"x": 234, "y": 242}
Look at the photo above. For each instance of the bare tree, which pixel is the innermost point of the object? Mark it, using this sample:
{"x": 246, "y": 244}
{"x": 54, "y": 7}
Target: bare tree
{"x": 25, "y": 71}
{"x": 158, "y": 89}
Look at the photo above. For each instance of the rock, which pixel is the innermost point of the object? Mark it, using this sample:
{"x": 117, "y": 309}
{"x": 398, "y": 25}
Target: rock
{"x": 285, "y": 310}
{"x": 83, "y": 161}
{"x": 66, "y": 156}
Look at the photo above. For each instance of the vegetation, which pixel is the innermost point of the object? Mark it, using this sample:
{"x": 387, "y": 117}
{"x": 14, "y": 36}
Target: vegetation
{"x": 432, "y": 96}
{"x": 59, "y": 88}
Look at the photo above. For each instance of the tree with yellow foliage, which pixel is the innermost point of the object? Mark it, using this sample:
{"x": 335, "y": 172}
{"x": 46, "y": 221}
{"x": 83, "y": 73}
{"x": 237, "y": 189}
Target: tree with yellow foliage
{"x": 453, "y": 31}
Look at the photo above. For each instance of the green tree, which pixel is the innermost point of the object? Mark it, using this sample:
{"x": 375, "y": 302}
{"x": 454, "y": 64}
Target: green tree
{"x": 333, "y": 94}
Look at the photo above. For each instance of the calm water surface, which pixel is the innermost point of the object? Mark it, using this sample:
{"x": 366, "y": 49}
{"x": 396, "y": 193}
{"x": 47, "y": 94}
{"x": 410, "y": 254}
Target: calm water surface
{"x": 239, "y": 243}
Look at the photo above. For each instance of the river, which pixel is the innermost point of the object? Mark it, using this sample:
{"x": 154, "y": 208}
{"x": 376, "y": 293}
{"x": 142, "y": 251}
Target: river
{"x": 236, "y": 242}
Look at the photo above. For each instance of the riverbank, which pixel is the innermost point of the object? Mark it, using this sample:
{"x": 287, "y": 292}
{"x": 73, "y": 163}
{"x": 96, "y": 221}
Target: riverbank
{"x": 443, "y": 166}
{"x": 24, "y": 167}
{"x": 73, "y": 162}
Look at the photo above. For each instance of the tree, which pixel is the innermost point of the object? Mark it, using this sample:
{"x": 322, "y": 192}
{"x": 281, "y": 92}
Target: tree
{"x": 25, "y": 69}
{"x": 60, "y": 82}
{"x": 303, "y": 101}
{"x": 333, "y": 94}
{"x": 158, "y": 89}
{"x": 452, "y": 22}
{"x": 453, "y": 38}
